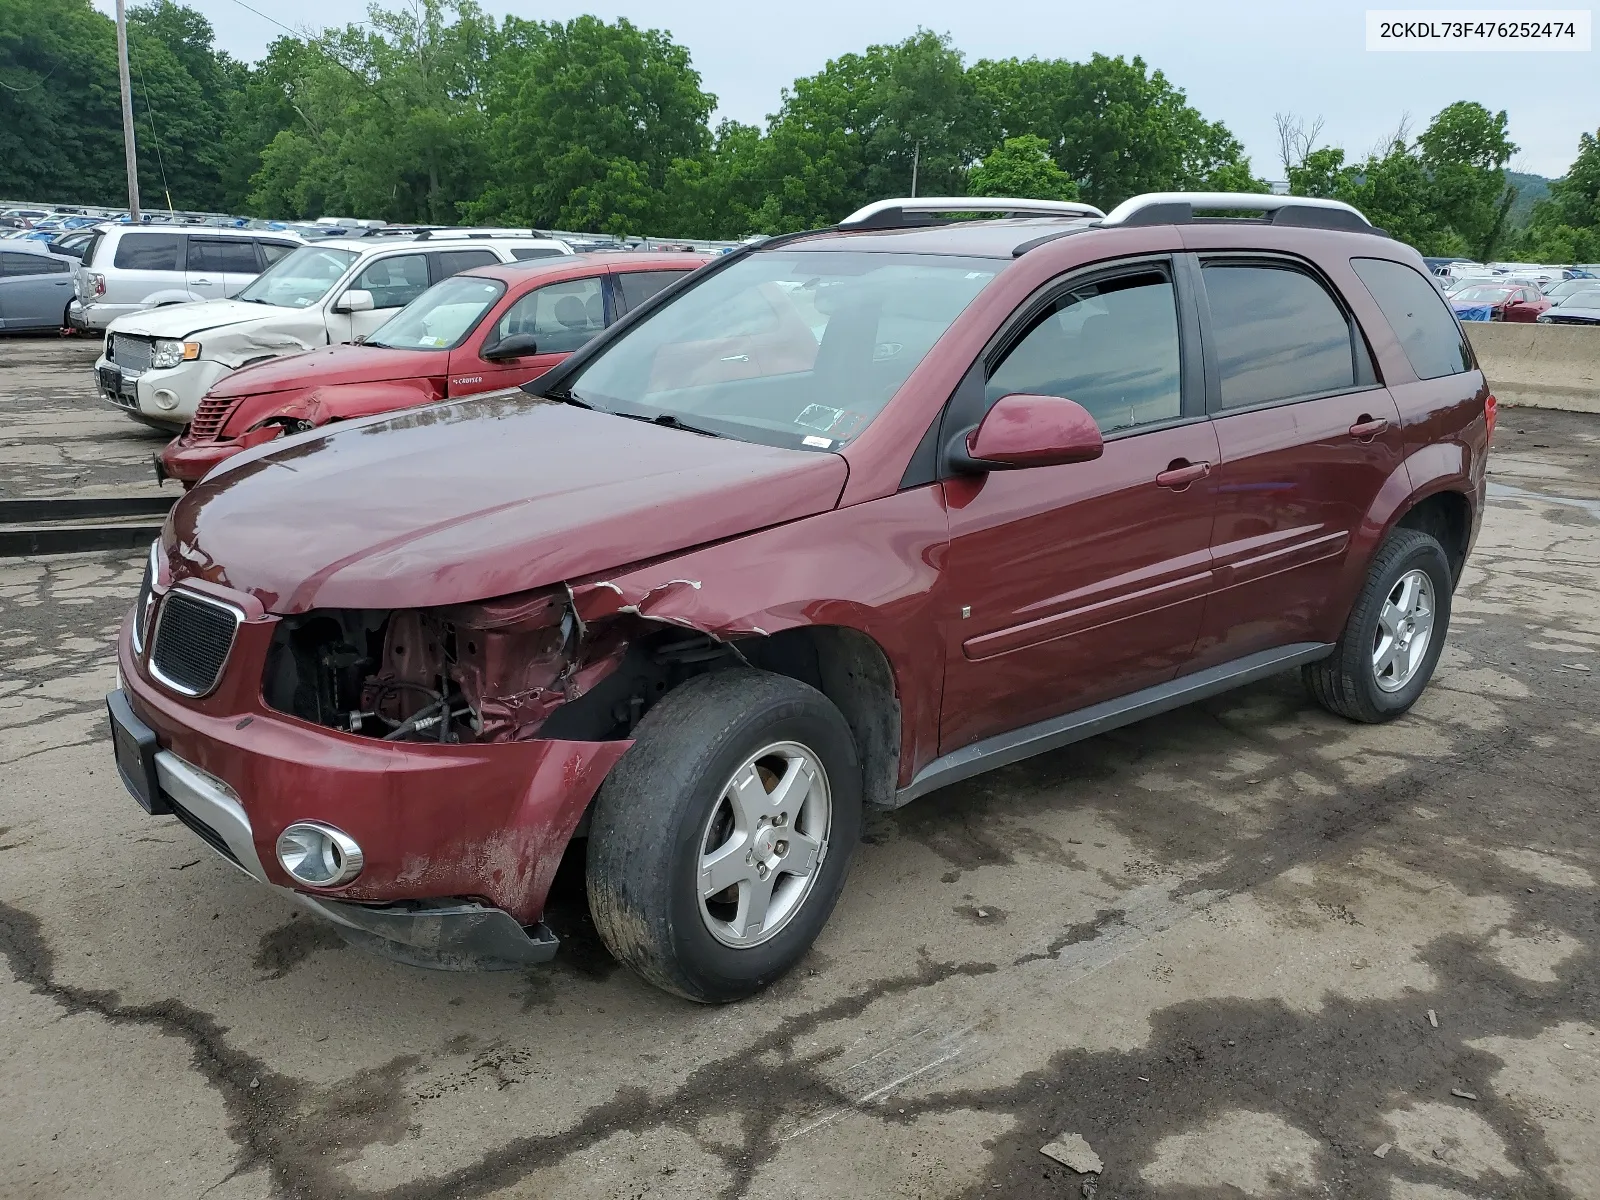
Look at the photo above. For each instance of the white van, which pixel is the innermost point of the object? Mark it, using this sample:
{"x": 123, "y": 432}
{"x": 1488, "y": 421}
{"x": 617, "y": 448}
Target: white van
{"x": 156, "y": 364}
{"x": 127, "y": 268}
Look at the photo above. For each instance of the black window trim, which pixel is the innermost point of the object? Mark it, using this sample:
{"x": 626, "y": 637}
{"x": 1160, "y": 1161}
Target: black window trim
{"x": 1281, "y": 261}
{"x": 1191, "y": 393}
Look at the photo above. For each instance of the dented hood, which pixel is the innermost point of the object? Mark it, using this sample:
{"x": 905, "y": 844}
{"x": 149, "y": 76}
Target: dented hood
{"x": 476, "y": 499}
{"x": 330, "y": 366}
{"x": 186, "y": 320}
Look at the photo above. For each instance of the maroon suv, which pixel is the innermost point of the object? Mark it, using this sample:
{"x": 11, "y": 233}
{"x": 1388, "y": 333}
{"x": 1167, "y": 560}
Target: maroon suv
{"x": 842, "y": 518}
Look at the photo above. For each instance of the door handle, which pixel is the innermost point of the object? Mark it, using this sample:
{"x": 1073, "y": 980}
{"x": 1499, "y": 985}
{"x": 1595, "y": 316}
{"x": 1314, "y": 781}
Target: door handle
{"x": 1180, "y": 473}
{"x": 1367, "y": 428}
{"x": 205, "y": 282}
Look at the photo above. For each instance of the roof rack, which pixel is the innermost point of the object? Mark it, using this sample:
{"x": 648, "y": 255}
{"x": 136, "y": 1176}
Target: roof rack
{"x": 1178, "y": 208}
{"x": 910, "y": 212}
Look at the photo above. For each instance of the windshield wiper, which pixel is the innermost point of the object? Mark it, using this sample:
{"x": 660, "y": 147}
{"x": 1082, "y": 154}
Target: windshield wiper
{"x": 670, "y": 421}
{"x": 566, "y": 397}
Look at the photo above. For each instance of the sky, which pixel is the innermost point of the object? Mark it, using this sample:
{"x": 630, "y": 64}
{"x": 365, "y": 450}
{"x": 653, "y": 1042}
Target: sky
{"x": 1239, "y": 63}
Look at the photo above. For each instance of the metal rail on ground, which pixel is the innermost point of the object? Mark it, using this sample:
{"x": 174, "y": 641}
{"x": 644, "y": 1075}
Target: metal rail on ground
{"x": 74, "y": 524}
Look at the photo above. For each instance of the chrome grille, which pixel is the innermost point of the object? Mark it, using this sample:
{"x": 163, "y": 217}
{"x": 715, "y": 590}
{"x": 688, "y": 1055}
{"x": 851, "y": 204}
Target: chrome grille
{"x": 132, "y": 354}
{"x": 210, "y": 417}
{"x": 192, "y": 640}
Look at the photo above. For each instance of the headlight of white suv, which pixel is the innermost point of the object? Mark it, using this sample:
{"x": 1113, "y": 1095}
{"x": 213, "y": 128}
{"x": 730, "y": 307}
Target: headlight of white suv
{"x": 170, "y": 353}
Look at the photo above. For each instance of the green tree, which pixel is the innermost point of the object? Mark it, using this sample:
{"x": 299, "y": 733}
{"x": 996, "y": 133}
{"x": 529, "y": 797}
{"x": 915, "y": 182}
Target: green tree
{"x": 1566, "y": 227}
{"x": 1021, "y": 166}
{"x": 588, "y": 121}
{"x": 1464, "y": 151}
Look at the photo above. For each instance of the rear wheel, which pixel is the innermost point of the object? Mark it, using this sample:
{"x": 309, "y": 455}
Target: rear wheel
{"x": 1395, "y": 634}
{"x": 721, "y": 840}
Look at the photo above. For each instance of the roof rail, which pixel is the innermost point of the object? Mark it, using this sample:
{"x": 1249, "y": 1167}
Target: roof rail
{"x": 907, "y": 213}
{"x": 1178, "y": 208}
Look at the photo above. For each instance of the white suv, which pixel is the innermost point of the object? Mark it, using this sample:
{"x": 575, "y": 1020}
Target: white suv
{"x": 158, "y": 363}
{"x": 128, "y": 268}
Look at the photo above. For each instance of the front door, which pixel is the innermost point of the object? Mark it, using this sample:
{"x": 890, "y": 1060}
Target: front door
{"x": 559, "y": 316}
{"x": 1308, "y": 437}
{"x": 1072, "y": 584}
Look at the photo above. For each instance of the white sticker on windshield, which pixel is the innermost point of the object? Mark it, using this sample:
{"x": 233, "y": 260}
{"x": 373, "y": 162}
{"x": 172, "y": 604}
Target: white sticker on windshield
{"x": 820, "y": 443}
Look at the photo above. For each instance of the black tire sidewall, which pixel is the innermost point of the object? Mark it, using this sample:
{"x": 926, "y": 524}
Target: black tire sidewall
{"x": 1428, "y": 556}
{"x": 719, "y": 970}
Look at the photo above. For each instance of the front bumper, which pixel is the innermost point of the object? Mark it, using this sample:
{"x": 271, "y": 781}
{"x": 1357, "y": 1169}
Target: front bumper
{"x": 460, "y": 842}
{"x": 188, "y": 461}
{"x": 168, "y": 396}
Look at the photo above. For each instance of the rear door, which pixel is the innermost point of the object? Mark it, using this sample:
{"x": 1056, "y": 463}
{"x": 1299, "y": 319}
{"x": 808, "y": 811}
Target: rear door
{"x": 34, "y": 290}
{"x": 561, "y": 316}
{"x": 1068, "y": 585}
{"x": 1308, "y": 437}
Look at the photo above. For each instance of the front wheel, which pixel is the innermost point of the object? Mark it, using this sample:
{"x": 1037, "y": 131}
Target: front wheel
{"x": 720, "y": 841}
{"x": 1392, "y": 641}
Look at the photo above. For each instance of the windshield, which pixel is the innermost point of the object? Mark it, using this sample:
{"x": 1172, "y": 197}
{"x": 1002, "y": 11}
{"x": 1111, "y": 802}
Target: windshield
{"x": 440, "y": 317}
{"x": 1481, "y": 295}
{"x": 1588, "y": 298}
{"x": 300, "y": 278}
{"x": 787, "y": 347}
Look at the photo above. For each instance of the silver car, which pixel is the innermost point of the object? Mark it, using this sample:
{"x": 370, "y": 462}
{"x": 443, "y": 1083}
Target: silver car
{"x": 128, "y": 268}
{"x": 35, "y": 286}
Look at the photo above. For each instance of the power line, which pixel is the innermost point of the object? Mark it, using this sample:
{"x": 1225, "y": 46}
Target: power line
{"x": 155, "y": 138}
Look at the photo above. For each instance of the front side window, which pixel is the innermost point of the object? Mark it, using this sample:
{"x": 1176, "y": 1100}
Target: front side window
{"x": 1109, "y": 344}
{"x": 791, "y": 347}
{"x": 1277, "y": 335}
{"x": 299, "y": 279}
{"x": 1419, "y": 316}
{"x": 148, "y": 252}
{"x": 394, "y": 282}
{"x": 560, "y": 316}
{"x": 442, "y": 316}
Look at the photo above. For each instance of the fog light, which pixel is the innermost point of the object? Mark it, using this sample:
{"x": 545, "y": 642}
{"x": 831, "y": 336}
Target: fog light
{"x": 319, "y": 855}
{"x": 166, "y": 398}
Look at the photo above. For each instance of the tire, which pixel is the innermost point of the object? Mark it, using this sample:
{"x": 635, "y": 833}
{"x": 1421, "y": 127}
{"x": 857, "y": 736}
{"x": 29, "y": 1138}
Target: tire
{"x": 669, "y": 802}
{"x": 1351, "y": 681}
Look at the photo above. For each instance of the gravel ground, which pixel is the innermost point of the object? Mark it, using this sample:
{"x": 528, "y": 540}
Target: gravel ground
{"x": 1239, "y": 949}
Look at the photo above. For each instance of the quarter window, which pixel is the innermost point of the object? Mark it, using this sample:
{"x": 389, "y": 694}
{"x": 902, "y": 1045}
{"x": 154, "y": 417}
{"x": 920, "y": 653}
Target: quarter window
{"x": 1419, "y": 316}
{"x": 1277, "y": 335}
{"x": 560, "y": 316}
{"x": 1109, "y": 344}
{"x": 394, "y": 282}
{"x": 147, "y": 252}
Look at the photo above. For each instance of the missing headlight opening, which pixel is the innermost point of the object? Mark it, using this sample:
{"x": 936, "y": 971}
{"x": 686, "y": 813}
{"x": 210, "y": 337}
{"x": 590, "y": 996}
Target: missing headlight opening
{"x": 503, "y": 670}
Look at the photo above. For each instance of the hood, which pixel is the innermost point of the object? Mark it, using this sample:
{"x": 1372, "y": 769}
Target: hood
{"x": 184, "y": 320}
{"x": 476, "y": 499}
{"x": 330, "y": 366}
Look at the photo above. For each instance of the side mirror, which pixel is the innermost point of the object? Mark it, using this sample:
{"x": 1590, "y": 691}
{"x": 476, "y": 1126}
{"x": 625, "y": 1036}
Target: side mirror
{"x": 516, "y": 345}
{"x": 1028, "y": 431}
{"x": 353, "y": 301}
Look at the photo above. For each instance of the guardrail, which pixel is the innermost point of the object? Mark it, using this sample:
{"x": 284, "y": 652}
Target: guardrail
{"x": 73, "y": 524}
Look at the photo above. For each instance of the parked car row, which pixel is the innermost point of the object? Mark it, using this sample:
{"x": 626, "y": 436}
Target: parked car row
{"x": 830, "y": 521}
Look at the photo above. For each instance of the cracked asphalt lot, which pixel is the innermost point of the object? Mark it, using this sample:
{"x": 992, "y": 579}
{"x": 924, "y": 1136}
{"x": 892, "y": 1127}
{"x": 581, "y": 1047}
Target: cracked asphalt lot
{"x": 1209, "y": 944}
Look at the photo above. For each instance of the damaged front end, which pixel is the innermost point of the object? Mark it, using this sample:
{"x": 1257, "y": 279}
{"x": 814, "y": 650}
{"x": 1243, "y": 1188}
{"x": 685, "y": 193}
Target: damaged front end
{"x": 512, "y": 669}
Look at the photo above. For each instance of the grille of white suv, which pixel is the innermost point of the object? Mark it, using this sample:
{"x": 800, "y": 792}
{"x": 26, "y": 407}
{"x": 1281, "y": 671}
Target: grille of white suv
{"x": 131, "y": 353}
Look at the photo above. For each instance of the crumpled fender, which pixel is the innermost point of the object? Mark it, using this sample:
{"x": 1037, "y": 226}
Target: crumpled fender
{"x": 342, "y": 402}
{"x": 254, "y": 345}
{"x": 873, "y": 567}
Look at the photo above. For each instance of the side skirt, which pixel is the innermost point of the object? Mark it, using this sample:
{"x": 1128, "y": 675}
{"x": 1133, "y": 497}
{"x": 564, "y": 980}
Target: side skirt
{"x": 1006, "y": 748}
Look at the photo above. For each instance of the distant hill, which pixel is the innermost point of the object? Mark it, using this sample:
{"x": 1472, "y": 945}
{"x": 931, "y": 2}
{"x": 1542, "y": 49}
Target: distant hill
{"x": 1530, "y": 190}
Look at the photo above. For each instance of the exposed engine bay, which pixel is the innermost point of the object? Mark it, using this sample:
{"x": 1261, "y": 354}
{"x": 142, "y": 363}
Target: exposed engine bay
{"x": 503, "y": 670}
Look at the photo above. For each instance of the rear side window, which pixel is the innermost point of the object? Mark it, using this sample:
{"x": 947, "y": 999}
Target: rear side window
{"x": 524, "y": 253}
{"x": 206, "y": 254}
{"x": 1419, "y": 316}
{"x": 639, "y": 286}
{"x": 1111, "y": 345}
{"x": 453, "y": 261}
{"x": 32, "y": 264}
{"x": 271, "y": 252}
{"x": 148, "y": 252}
{"x": 1277, "y": 335}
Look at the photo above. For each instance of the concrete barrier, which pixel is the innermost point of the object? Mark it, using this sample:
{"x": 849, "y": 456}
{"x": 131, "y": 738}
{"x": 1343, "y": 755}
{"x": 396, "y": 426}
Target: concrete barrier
{"x": 1540, "y": 366}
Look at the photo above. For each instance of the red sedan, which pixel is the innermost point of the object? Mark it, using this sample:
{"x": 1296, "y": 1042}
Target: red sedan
{"x": 488, "y": 328}
{"x": 1499, "y": 302}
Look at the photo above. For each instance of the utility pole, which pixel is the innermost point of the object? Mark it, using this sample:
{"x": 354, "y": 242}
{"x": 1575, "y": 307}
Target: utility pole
{"x": 916, "y": 158}
{"x": 127, "y": 113}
